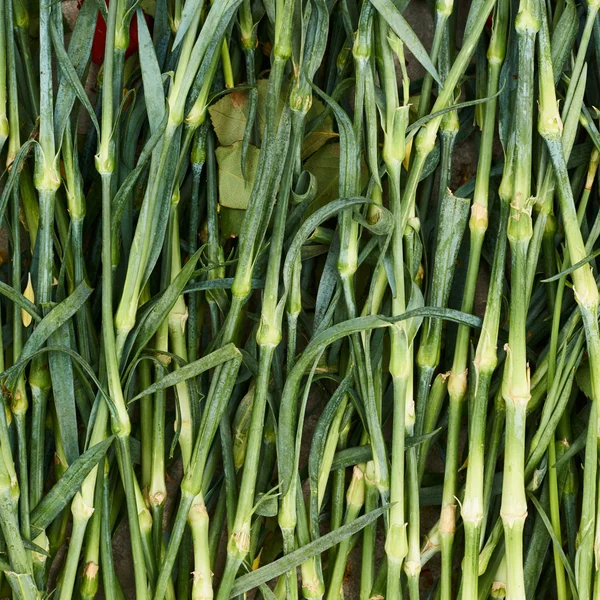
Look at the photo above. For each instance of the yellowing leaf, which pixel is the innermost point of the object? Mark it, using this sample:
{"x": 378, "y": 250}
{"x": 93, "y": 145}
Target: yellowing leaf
{"x": 233, "y": 191}
{"x": 230, "y": 113}
{"x": 228, "y": 116}
{"x": 407, "y": 151}
{"x": 231, "y": 221}
{"x": 322, "y": 135}
{"x": 256, "y": 562}
{"x": 584, "y": 380}
{"x": 324, "y": 164}
{"x": 26, "y": 318}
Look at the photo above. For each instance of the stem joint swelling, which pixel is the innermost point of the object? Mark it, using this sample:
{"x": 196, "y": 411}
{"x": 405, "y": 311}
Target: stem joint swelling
{"x": 478, "y": 223}
{"x": 239, "y": 541}
{"x": 514, "y": 400}
{"x": 472, "y": 512}
{"x": 447, "y": 525}
{"x": 515, "y": 516}
{"x": 46, "y": 177}
{"x": 485, "y": 361}
{"x": 457, "y": 384}
{"x": 396, "y": 544}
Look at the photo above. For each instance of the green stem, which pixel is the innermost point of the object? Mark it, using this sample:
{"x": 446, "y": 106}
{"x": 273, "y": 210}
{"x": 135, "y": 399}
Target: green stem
{"x": 355, "y": 500}
{"x": 473, "y": 509}
{"x": 516, "y": 385}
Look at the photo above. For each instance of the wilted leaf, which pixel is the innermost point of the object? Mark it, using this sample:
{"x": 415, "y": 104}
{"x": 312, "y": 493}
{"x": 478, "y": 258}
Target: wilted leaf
{"x": 324, "y": 133}
{"x": 324, "y": 164}
{"x": 148, "y": 6}
{"x": 29, "y": 294}
{"x": 583, "y": 379}
{"x": 234, "y": 192}
{"x": 229, "y": 114}
{"x": 230, "y": 221}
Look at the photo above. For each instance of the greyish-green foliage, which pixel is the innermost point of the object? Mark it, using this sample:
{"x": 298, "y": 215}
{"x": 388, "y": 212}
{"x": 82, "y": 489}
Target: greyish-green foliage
{"x": 251, "y": 292}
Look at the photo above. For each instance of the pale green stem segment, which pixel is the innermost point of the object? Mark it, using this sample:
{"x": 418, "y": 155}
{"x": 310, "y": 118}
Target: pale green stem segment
{"x": 4, "y": 123}
{"x": 586, "y": 295}
{"x": 516, "y": 384}
{"x": 443, "y": 11}
{"x": 105, "y": 165}
{"x": 157, "y": 490}
{"x": 355, "y": 499}
{"x": 478, "y": 223}
{"x": 47, "y": 182}
{"x": 473, "y": 506}
{"x": 21, "y": 24}
{"x": 423, "y": 146}
{"x": 401, "y": 363}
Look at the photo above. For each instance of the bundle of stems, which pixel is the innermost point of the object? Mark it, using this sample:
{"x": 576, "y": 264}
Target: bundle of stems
{"x": 258, "y": 321}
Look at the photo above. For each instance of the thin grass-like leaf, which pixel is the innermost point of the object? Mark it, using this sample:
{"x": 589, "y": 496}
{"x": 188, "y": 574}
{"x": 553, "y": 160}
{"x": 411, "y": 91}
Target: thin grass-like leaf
{"x": 142, "y": 334}
{"x": 555, "y": 541}
{"x": 387, "y": 9}
{"x": 66, "y": 487}
{"x": 20, "y": 300}
{"x": 63, "y": 388}
{"x": 57, "y": 317}
{"x": 293, "y": 559}
{"x": 151, "y": 76}
{"x": 72, "y": 77}
{"x": 80, "y": 47}
{"x": 224, "y": 354}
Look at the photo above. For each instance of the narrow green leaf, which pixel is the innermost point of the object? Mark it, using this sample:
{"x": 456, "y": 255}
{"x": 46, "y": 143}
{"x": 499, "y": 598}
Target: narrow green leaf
{"x": 563, "y": 38}
{"x": 414, "y": 127}
{"x": 190, "y": 10}
{"x": 63, "y": 391}
{"x": 557, "y": 545}
{"x": 34, "y": 547}
{"x": 68, "y": 485}
{"x": 120, "y": 199}
{"x": 317, "y": 447}
{"x": 22, "y": 585}
{"x": 80, "y": 47}
{"x": 290, "y": 395}
{"x": 574, "y": 449}
{"x": 13, "y": 177}
{"x": 387, "y": 9}
{"x": 294, "y": 559}
{"x": 151, "y": 76}
{"x": 16, "y": 368}
{"x": 142, "y": 334}
{"x": 349, "y": 457}
{"x": 219, "y": 284}
{"x": 193, "y": 369}
{"x": 327, "y": 283}
{"x": 72, "y": 77}
{"x": 20, "y": 301}
{"x": 57, "y": 317}
{"x": 348, "y": 186}
{"x": 584, "y": 261}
